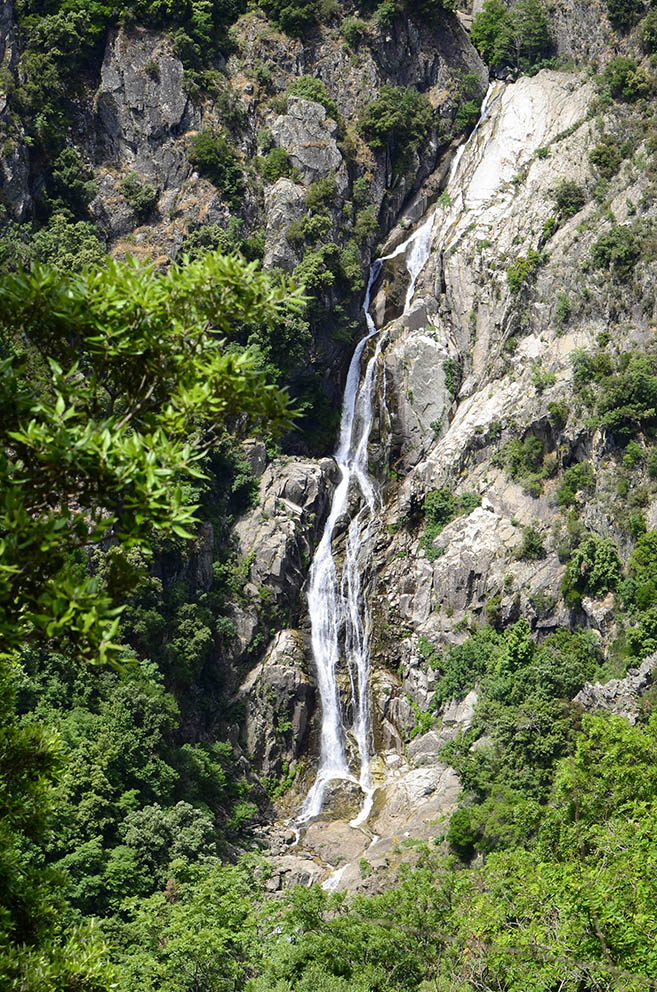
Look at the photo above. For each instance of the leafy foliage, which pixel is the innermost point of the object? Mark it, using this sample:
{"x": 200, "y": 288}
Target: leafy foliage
{"x": 212, "y": 154}
{"x": 517, "y": 35}
{"x": 130, "y": 367}
{"x": 440, "y": 507}
{"x": 309, "y": 88}
{"x": 399, "y": 120}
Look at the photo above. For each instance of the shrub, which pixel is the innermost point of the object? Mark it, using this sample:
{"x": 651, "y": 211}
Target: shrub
{"x": 642, "y": 569}
{"x": 558, "y": 414}
{"x": 211, "y": 153}
{"x": 624, "y": 13}
{"x": 317, "y": 269}
{"x": 594, "y": 569}
{"x": 467, "y": 115}
{"x": 525, "y": 463}
{"x": 628, "y": 399}
{"x": 70, "y": 186}
{"x": 618, "y": 250}
{"x": 351, "y": 266}
{"x": 385, "y": 14}
{"x": 519, "y": 35}
{"x": 321, "y": 193}
{"x": 309, "y": 88}
{"x": 292, "y": 16}
{"x": 569, "y": 197}
{"x": 642, "y": 639}
{"x": 626, "y": 80}
{"x": 576, "y": 478}
{"x": 633, "y": 454}
{"x": 523, "y": 269}
{"x": 366, "y": 224}
{"x": 353, "y": 30}
{"x": 648, "y": 32}
{"x": 141, "y": 196}
{"x": 462, "y": 834}
{"x": 531, "y": 547}
{"x": 606, "y": 158}
{"x": 66, "y": 246}
{"x": 440, "y": 507}
{"x": 398, "y": 119}
{"x": 276, "y": 164}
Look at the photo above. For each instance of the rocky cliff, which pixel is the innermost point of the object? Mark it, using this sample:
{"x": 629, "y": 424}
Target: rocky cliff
{"x": 513, "y": 420}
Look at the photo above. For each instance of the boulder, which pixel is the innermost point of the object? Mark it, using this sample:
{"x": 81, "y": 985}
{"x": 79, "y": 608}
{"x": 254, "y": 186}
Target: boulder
{"x": 308, "y": 135}
{"x": 278, "y": 699}
{"x": 285, "y": 202}
{"x": 620, "y": 696}
{"x": 142, "y": 107}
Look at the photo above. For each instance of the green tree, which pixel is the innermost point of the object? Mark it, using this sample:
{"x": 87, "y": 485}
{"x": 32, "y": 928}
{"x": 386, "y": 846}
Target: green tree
{"x": 399, "y": 119}
{"x": 129, "y": 367}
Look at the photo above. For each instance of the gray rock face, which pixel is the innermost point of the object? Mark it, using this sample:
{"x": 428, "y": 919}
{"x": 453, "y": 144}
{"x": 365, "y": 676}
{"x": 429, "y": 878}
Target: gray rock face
{"x": 14, "y": 164}
{"x": 142, "y": 108}
{"x": 279, "y": 533}
{"x": 620, "y": 696}
{"x": 308, "y": 136}
{"x": 284, "y": 203}
{"x": 279, "y": 700}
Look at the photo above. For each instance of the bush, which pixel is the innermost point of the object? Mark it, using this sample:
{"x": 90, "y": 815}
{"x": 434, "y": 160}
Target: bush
{"x": 575, "y": 479}
{"x": 353, "y": 30}
{"x": 440, "y": 507}
{"x": 628, "y": 399}
{"x": 606, "y": 158}
{"x": 531, "y": 547}
{"x": 399, "y": 119}
{"x": 519, "y": 35}
{"x": 366, "y": 224}
{"x": 321, "y": 193}
{"x": 462, "y": 833}
{"x": 70, "y": 186}
{"x": 648, "y": 32}
{"x": 141, "y": 196}
{"x": 619, "y": 250}
{"x": 66, "y": 246}
{"x": 594, "y": 569}
{"x": 467, "y": 115}
{"x": 569, "y": 197}
{"x": 524, "y": 462}
{"x": 642, "y": 639}
{"x": 624, "y": 13}
{"x": 626, "y": 80}
{"x": 309, "y": 88}
{"x": 212, "y": 155}
{"x": 275, "y": 165}
{"x": 523, "y": 269}
{"x": 294, "y": 17}
{"x": 352, "y": 267}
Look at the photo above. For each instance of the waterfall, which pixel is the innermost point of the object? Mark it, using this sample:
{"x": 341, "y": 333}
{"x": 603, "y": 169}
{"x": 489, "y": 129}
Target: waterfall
{"x": 335, "y": 603}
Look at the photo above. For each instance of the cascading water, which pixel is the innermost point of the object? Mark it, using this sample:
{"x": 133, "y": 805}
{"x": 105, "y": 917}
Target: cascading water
{"x": 335, "y": 603}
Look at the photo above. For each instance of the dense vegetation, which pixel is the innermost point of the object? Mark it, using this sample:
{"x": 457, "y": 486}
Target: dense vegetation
{"x": 125, "y": 391}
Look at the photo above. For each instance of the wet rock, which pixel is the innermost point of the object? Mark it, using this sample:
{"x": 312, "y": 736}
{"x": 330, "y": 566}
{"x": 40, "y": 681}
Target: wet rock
{"x": 279, "y": 534}
{"x": 342, "y": 800}
{"x": 279, "y": 701}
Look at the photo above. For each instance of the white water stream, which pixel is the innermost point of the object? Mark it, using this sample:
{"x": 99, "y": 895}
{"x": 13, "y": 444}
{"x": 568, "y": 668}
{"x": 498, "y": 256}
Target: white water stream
{"x": 339, "y": 615}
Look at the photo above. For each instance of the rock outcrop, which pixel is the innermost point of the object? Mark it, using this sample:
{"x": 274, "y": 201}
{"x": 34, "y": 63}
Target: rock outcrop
{"x": 620, "y": 696}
